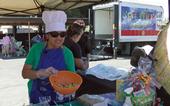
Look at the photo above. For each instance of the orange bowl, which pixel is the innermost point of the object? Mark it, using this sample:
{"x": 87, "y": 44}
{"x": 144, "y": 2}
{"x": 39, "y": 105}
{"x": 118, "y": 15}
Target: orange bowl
{"x": 65, "y": 82}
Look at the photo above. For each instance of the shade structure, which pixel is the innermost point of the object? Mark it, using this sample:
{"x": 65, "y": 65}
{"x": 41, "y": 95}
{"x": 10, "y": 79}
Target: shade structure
{"x": 35, "y": 7}
{"x": 19, "y": 8}
{"x": 31, "y": 20}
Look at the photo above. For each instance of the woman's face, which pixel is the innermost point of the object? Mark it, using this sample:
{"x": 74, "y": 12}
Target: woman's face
{"x": 79, "y": 36}
{"x": 56, "y": 39}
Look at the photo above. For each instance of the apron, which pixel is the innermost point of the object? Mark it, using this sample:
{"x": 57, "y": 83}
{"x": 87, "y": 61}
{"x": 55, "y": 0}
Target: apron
{"x": 42, "y": 91}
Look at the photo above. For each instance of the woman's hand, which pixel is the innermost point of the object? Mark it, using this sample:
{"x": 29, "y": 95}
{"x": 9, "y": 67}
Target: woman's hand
{"x": 53, "y": 70}
{"x": 27, "y": 72}
{"x": 44, "y": 73}
{"x": 80, "y": 64}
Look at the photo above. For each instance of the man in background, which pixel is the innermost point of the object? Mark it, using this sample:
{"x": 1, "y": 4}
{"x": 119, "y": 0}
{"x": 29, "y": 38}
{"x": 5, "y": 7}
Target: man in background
{"x": 36, "y": 39}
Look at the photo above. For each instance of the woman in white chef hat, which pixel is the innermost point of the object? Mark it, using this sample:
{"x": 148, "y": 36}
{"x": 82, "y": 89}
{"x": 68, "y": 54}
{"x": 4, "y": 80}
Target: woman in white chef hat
{"x": 46, "y": 58}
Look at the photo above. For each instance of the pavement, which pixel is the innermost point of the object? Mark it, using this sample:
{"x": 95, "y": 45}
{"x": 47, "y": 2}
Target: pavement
{"x": 13, "y": 88}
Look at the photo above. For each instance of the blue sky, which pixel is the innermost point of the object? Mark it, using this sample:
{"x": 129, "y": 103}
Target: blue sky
{"x": 163, "y": 3}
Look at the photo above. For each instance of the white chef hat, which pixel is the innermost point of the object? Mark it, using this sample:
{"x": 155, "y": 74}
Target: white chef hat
{"x": 54, "y": 20}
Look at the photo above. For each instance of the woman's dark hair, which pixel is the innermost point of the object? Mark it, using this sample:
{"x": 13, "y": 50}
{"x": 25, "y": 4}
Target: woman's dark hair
{"x": 85, "y": 44}
{"x": 75, "y": 29}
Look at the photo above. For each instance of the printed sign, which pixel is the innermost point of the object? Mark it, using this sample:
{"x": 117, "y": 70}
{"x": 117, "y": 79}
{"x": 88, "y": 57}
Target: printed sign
{"x": 139, "y": 22}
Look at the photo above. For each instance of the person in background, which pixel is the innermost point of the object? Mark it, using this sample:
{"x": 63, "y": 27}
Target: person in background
{"x": 47, "y": 58}
{"x": 74, "y": 34}
{"x": 12, "y": 45}
{"x": 36, "y": 39}
{"x": 85, "y": 44}
{"x": 5, "y": 46}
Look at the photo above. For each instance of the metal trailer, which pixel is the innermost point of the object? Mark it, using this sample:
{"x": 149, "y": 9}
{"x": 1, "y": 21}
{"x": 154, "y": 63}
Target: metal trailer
{"x": 124, "y": 25}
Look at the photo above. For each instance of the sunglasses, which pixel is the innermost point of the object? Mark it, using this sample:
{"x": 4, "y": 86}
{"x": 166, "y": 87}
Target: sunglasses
{"x": 56, "y": 34}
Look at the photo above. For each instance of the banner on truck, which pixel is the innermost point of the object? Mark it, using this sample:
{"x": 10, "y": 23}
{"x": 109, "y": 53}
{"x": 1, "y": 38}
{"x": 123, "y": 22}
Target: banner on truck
{"x": 139, "y": 22}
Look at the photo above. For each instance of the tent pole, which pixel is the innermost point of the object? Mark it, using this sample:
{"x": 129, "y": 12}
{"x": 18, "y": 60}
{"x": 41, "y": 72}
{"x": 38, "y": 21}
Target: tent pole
{"x": 14, "y": 31}
{"x": 169, "y": 9}
{"x": 29, "y": 39}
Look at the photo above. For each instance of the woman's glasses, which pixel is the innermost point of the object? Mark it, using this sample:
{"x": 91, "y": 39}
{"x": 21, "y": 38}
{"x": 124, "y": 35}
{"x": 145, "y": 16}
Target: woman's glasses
{"x": 56, "y": 34}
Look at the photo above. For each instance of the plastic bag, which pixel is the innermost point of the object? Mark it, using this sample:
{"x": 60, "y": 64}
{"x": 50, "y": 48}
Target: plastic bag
{"x": 145, "y": 65}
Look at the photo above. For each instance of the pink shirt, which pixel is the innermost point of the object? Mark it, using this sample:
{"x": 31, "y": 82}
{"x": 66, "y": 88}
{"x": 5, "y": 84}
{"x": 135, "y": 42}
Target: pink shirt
{"x": 6, "y": 40}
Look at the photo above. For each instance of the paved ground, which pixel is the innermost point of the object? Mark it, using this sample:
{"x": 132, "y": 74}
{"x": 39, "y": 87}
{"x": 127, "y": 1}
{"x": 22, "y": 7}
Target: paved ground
{"x": 13, "y": 88}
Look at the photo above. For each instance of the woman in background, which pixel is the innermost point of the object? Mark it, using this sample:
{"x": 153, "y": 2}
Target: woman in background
{"x": 6, "y": 46}
{"x": 74, "y": 34}
{"x": 85, "y": 46}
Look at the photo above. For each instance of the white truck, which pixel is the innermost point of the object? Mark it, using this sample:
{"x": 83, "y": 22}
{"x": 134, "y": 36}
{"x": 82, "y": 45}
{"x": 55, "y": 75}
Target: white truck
{"x": 125, "y": 24}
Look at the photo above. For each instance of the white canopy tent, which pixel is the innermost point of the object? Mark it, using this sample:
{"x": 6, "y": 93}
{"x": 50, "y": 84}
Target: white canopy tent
{"x": 35, "y": 7}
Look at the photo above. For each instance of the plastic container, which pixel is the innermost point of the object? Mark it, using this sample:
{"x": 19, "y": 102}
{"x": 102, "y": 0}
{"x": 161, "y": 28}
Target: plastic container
{"x": 65, "y": 82}
{"x": 128, "y": 93}
{"x": 144, "y": 100}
